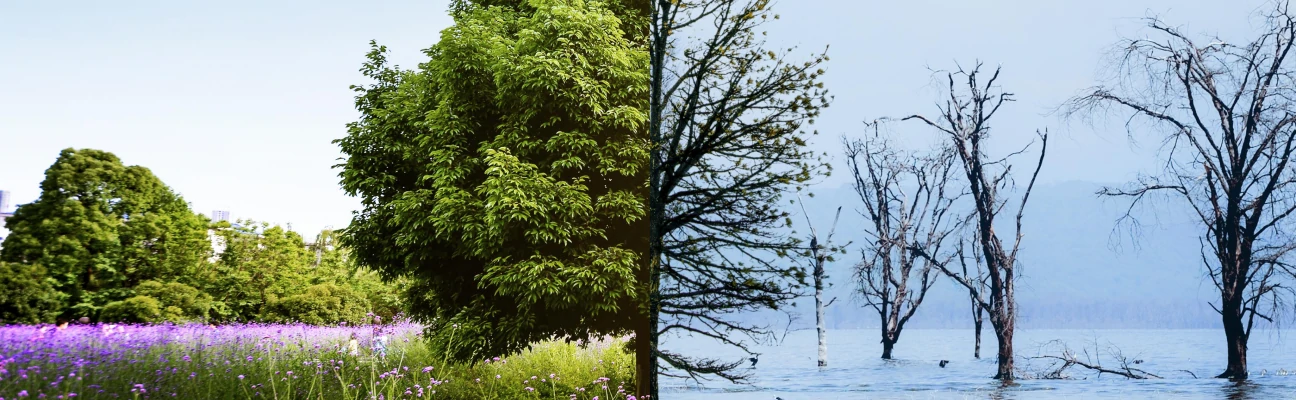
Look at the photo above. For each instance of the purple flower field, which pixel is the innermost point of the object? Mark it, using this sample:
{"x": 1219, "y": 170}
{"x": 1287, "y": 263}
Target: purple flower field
{"x": 288, "y": 362}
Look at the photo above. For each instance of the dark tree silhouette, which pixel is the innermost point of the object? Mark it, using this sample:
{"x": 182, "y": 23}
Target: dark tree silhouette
{"x": 1226, "y": 113}
{"x": 906, "y": 204}
{"x": 726, "y": 118}
{"x": 964, "y": 120}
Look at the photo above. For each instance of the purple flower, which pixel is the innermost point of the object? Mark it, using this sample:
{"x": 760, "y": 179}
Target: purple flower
{"x": 427, "y": 369}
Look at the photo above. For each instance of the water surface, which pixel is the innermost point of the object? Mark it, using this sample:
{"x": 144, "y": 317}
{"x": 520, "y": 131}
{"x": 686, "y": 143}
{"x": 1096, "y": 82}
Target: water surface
{"x": 856, "y": 371}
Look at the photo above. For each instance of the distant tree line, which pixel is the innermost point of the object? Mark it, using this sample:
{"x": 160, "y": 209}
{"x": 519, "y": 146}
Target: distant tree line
{"x": 112, "y": 243}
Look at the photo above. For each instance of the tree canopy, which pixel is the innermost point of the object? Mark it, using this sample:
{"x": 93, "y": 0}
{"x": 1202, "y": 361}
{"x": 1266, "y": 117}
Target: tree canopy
{"x": 506, "y": 175}
{"x": 101, "y": 227}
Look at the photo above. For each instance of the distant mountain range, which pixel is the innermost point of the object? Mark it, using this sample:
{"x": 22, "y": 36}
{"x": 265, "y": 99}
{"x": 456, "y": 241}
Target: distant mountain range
{"x": 1078, "y": 271}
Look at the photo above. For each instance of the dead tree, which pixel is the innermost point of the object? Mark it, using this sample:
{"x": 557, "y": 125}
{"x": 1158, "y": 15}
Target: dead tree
{"x": 819, "y": 255}
{"x": 727, "y": 118}
{"x": 964, "y": 120}
{"x": 1227, "y": 116}
{"x": 906, "y": 204}
{"x": 977, "y": 275}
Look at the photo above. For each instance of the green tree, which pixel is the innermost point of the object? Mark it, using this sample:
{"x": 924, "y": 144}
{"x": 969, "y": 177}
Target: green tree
{"x": 179, "y": 302}
{"x": 506, "y": 176}
{"x": 26, "y": 294}
{"x": 334, "y": 264}
{"x": 320, "y": 305}
{"x": 258, "y": 265}
{"x": 100, "y": 227}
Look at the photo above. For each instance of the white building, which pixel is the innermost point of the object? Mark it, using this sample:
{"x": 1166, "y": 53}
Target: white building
{"x": 5, "y": 212}
{"x": 219, "y": 215}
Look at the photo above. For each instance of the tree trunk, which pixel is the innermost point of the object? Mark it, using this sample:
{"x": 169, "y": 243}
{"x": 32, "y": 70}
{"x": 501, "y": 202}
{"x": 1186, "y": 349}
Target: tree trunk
{"x": 976, "y": 322}
{"x": 1235, "y": 335}
{"x": 819, "y": 317}
{"x": 1004, "y": 335}
{"x": 887, "y": 345}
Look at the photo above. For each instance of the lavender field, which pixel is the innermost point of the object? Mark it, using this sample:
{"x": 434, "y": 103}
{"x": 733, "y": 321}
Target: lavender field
{"x": 107, "y": 361}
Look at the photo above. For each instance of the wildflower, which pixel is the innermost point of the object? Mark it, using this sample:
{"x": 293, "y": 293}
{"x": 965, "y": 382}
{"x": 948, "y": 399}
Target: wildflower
{"x": 530, "y": 389}
{"x": 240, "y": 377}
{"x": 22, "y": 393}
{"x": 497, "y": 376}
{"x": 427, "y": 369}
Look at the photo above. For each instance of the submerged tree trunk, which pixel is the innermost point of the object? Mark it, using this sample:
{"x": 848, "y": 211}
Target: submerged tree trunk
{"x": 1235, "y": 335}
{"x": 976, "y": 323}
{"x": 887, "y": 345}
{"x": 819, "y": 317}
{"x": 1004, "y": 336}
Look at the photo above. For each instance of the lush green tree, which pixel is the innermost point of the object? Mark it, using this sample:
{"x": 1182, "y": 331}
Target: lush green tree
{"x": 258, "y": 265}
{"x": 320, "y": 305}
{"x": 335, "y": 264}
{"x": 101, "y": 227}
{"x": 27, "y": 296}
{"x": 506, "y": 176}
{"x": 180, "y": 302}
{"x": 138, "y": 309}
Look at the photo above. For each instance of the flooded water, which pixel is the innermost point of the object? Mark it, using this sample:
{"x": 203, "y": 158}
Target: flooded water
{"x": 856, "y": 371}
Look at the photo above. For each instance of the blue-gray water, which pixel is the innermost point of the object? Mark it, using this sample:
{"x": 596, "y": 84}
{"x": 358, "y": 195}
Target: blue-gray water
{"x": 855, "y": 370}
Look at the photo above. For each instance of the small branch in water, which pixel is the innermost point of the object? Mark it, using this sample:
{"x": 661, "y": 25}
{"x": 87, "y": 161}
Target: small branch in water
{"x": 1068, "y": 359}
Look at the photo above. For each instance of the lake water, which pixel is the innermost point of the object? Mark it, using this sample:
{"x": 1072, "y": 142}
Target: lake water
{"x": 856, "y": 371}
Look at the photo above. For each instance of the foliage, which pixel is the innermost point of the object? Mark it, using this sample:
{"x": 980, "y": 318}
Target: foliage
{"x": 26, "y": 294}
{"x": 180, "y": 302}
{"x": 319, "y": 305}
{"x": 260, "y": 264}
{"x": 291, "y": 362}
{"x": 335, "y": 264}
{"x": 100, "y": 227}
{"x": 505, "y": 176}
{"x": 138, "y": 309}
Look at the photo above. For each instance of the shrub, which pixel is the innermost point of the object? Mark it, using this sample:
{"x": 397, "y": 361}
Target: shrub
{"x": 26, "y": 295}
{"x": 321, "y": 304}
{"x": 138, "y": 309}
{"x": 179, "y": 302}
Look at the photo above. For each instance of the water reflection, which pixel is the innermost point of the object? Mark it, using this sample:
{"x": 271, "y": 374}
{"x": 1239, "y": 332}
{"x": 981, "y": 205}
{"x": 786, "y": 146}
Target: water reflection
{"x": 1240, "y": 390}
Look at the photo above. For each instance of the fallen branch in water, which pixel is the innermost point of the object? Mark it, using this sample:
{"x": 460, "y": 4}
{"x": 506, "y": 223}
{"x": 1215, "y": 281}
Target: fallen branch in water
{"x": 1069, "y": 359}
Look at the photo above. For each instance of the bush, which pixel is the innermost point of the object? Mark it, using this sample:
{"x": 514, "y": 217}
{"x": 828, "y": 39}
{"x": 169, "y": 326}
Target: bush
{"x": 179, "y": 302}
{"x": 26, "y": 295}
{"x": 138, "y": 309}
{"x": 321, "y": 304}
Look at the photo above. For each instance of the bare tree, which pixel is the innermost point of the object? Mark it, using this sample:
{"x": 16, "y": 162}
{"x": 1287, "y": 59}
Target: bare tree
{"x": 975, "y": 275}
{"x": 906, "y": 204}
{"x": 964, "y": 120}
{"x": 726, "y": 117}
{"x": 1226, "y": 114}
{"x": 819, "y": 255}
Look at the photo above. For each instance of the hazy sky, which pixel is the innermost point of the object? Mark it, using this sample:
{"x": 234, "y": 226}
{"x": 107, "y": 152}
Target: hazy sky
{"x": 234, "y": 104}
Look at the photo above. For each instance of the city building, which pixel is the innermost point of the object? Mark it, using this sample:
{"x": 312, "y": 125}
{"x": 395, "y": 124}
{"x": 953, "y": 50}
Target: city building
{"x": 219, "y": 215}
{"x": 5, "y": 212}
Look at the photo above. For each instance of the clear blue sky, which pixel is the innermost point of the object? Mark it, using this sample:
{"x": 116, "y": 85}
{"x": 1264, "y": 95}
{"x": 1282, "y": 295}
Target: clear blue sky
{"x": 234, "y": 104}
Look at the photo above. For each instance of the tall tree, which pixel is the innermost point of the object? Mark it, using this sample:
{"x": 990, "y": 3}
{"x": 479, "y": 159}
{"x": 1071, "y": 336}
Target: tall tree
{"x": 1227, "y": 115}
{"x": 907, "y": 202}
{"x": 507, "y": 175}
{"x": 259, "y": 265}
{"x": 101, "y": 227}
{"x": 726, "y": 123}
{"x": 964, "y": 120}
